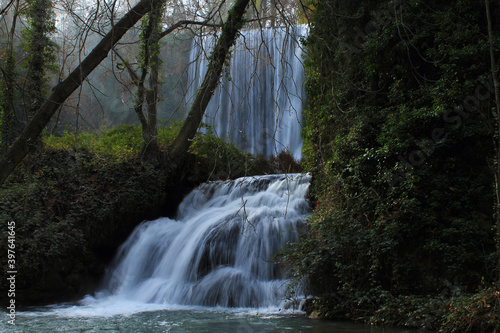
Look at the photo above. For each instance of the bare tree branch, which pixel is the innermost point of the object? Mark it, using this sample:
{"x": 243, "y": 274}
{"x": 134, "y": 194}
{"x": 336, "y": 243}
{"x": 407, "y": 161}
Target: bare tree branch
{"x": 63, "y": 90}
{"x": 6, "y": 8}
{"x": 185, "y": 23}
{"x": 130, "y": 70}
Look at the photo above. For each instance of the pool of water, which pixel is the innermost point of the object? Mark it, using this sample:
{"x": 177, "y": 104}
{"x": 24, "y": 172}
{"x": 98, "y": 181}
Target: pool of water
{"x": 113, "y": 316}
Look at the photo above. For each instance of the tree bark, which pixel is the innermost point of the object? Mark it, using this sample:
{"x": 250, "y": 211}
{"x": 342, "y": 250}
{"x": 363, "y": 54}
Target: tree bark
{"x": 230, "y": 29}
{"x": 149, "y": 151}
{"x": 7, "y": 102}
{"x": 63, "y": 90}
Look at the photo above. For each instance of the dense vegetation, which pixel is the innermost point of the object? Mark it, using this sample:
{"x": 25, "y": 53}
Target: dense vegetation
{"x": 399, "y": 135}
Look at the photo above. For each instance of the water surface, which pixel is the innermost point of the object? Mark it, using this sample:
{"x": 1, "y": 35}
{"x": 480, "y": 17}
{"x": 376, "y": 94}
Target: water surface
{"x": 98, "y": 316}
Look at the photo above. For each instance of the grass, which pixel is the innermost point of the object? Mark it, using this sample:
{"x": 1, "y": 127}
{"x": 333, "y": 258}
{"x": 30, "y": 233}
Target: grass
{"x": 118, "y": 143}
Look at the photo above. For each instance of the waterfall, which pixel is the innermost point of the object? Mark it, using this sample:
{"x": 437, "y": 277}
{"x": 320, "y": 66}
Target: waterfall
{"x": 259, "y": 102}
{"x": 218, "y": 251}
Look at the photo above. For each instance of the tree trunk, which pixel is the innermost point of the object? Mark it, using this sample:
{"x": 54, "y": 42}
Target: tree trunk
{"x": 7, "y": 106}
{"x": 149, "y": 150}
{"x": 497, "y": 145}
{"x": 150, "y": 133}
{"x": 63, "y": 90}
{"x": 39, "y": 53}
{"x": 230, "y": 29}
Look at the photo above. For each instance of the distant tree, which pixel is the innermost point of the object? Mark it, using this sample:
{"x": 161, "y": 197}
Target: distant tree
{"x": 150, "y": 62}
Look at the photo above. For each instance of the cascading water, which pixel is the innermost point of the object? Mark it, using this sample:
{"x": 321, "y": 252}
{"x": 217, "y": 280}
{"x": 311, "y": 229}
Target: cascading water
{"x": 258, "y": 104}
{"x": 218, "y": 251}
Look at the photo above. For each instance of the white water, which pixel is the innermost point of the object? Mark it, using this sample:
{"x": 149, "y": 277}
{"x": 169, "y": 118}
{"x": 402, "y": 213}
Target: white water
{"x": 259, "y": 103}
{"x": 218, "y": 251}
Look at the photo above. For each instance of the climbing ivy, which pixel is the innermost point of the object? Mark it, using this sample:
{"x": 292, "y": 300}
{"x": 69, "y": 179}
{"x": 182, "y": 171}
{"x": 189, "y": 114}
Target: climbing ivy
{"x": 7, "y": 101}
{"x": 400, "y": 146}
{"x": 40, "y": 52}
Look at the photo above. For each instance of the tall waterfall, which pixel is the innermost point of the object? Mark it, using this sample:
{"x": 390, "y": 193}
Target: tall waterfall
{"x": 218, "y": 250}
{"x": 259, "y": 102}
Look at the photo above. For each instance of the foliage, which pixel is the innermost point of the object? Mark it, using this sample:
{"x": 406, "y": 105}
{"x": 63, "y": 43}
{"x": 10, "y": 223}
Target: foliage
{"x": 223, "y": 155}
{"x": 480, "y": 311}
{"x": 398, "y": 136}
{"x": 7, "y": 101}
{"x": 150, "y": 48}
{"x": 424, "y": 312}
{"x": 447, "y": 312}
{"x": 119, "y": 143}
{"x": 226, "y": 161}
{"x": 124, "y": 142}
{"x": 116, "y": 143}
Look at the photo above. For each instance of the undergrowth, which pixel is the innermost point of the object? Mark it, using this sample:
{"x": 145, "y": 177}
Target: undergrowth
{"x": 222, "y": 158}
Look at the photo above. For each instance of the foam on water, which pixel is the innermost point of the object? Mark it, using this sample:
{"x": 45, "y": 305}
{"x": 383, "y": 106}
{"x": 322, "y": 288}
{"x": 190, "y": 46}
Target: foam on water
{"x": 111, "y": 306}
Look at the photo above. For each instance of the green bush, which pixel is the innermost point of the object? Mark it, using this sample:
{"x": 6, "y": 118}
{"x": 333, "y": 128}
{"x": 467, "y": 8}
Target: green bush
{"x": 124, "y": 142}
{"x": 117, "y": 144}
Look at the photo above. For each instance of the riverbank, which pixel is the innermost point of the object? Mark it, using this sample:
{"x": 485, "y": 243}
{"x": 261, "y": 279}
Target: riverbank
{"x": 447, "y": 313}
